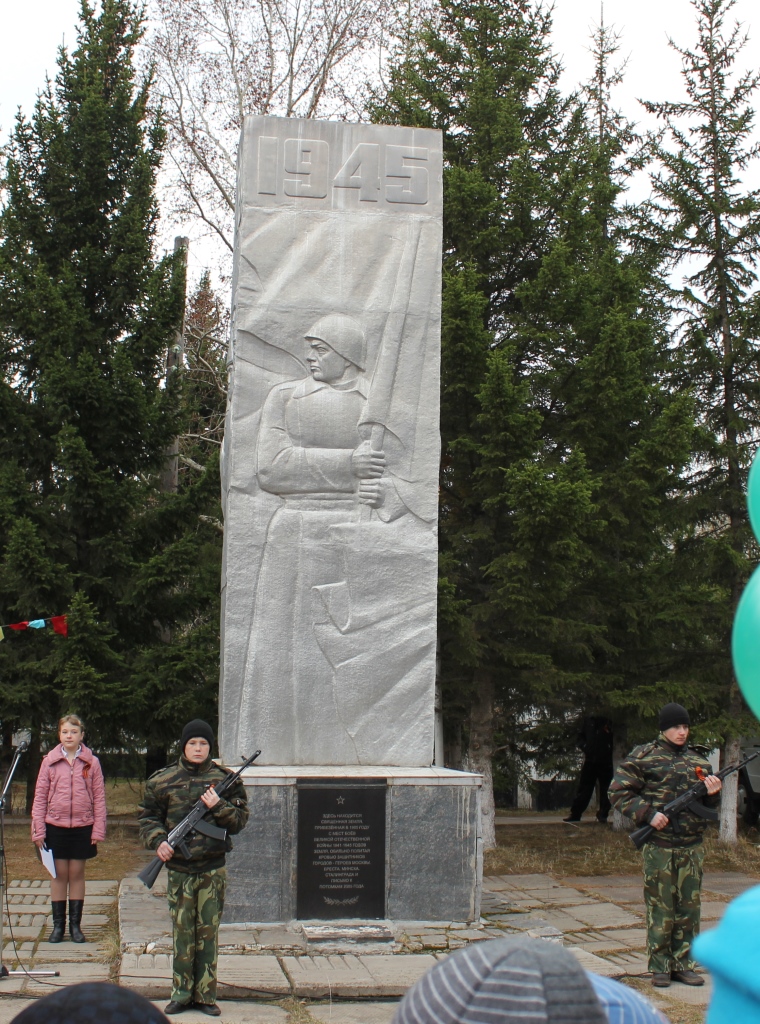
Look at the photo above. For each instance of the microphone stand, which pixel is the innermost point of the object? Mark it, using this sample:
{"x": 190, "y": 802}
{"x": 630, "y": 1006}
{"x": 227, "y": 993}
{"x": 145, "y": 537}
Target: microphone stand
{"x": 4, "y": 972}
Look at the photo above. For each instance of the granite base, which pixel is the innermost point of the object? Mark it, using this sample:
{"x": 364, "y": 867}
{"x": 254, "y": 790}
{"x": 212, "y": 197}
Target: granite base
{"x": 433, "y": 844}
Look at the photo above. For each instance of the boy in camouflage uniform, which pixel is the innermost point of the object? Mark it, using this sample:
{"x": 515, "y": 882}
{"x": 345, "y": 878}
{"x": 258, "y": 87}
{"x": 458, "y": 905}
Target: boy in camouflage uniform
{"x": 650, "y": 777}
{"x": 195, "y": 887}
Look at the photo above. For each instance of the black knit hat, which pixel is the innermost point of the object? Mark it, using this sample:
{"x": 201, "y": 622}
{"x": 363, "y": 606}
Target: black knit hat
{"x": 92, "y": 1003}
{"x": 197, "y": 729}
{"x": 673, "y": 714}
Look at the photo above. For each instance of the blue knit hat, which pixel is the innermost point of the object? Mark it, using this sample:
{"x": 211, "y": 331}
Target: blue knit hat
{"x": 732, "y": 953}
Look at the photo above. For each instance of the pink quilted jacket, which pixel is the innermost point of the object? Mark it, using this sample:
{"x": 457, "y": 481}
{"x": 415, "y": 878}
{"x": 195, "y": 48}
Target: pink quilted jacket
{"x": 70, "y": 795}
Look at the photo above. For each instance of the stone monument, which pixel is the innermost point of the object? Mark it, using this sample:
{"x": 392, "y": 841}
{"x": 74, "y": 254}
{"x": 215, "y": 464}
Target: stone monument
{"x": 330, "y": 486}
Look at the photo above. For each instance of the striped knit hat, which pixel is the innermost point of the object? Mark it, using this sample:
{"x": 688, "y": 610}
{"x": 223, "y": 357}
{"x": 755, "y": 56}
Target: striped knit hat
{"x": 530, "y": 981}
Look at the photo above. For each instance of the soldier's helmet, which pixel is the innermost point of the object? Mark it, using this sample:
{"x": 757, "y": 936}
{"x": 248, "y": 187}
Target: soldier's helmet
{"x": 344, "y": 335}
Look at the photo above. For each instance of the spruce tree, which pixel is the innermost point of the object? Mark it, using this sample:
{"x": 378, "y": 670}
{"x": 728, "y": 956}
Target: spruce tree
{"x": 709, "y": 221}
{"x": 86, "y": 313}
{"x": 175, "y": 594}
{"x": 609, "y": 395}
{"x": 484, "y": 74}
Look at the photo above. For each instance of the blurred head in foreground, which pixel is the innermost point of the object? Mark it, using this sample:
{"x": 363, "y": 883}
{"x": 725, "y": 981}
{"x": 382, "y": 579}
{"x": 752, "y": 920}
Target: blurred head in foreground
{"x": 514, "y": 979}
{"x": 94, "y": 1002}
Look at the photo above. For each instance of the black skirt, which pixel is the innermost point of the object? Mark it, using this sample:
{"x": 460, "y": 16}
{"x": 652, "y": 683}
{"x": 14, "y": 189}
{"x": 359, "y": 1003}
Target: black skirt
{"x": 70, "y": 843}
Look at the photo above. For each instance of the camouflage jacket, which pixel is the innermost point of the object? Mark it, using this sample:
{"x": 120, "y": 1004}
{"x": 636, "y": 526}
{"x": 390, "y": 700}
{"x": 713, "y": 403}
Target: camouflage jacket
{"x": 651, "y": 776}
{"x": 171, "y": 793}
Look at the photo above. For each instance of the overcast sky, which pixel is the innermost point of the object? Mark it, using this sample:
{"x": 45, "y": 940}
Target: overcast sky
{"x": 32, "y": 32}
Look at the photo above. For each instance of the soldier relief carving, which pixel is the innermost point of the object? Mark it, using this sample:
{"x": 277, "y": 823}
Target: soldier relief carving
{"x": 332, "y": 447}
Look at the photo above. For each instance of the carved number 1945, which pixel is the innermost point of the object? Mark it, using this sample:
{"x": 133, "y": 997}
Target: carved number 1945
{"x": 306, "y": 165}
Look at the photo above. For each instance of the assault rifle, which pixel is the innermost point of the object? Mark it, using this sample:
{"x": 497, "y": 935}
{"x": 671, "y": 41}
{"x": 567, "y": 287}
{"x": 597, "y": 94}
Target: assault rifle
{"x": 192, "y": 823}
{"x": 688, "y": 801}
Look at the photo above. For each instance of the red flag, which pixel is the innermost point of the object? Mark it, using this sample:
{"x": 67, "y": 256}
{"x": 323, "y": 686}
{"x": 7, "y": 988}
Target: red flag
{"x": 60, "y": 624}
{"x": 18, "y": 625}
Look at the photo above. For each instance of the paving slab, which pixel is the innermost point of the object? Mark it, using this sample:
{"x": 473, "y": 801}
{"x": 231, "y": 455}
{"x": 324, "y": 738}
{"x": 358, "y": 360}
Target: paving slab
{"x": 605, "y": 915}
{"x": 280, "y": 938}
{"x": 393, "y": 975}
{"x": 619, "y": 894}
{"x": 13, "y": 985}
{"x": 728, "y": 883}
{"x": 566, "y": 897}
{"x": 147, "y": 973}
{"x": 10, "y": 1007}
{"x": 609, "y": 881}
{"x": 25, "y": 920}
{"x": 20, "y": 934}
{"x": 523, "y": 922}
{"x": 70, "y": 973}
{"x": 353, "y": 1013}
{"x": 591, "y": 962}
{"x": 348, "y": 976}
{"x": 235, "y": 1013}
{"x": 713, "y": 910}
{"x": 320, "y": 977}
{"x": 565, "y": 920}
{"x": 528, "y": 881}
{"x": 678, "y": 993}
{"x": 93, "y": 888}
{"x": 636, "y": 938}
{"x": 252, "y": 976}
{"x": 144, "y": 915}
{"x": 83, "y": 952}
{"x": 633, "y": 964}
{"x": 595, "y": 946}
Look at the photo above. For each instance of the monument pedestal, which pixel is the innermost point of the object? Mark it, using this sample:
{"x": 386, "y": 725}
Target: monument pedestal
{"x": 358, "y": 843}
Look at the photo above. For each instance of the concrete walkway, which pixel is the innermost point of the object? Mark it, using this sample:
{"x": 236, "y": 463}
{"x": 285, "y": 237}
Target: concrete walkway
{"x": 276, "y": 975}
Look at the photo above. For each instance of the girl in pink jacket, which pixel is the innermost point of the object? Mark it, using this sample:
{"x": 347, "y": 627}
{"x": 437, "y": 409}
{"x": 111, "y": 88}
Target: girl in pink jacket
{"x": 69, "y": 818}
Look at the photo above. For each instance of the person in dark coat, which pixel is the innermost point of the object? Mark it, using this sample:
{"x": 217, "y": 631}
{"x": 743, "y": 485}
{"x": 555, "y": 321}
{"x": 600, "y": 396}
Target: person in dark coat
{"x": 595, "y": 740}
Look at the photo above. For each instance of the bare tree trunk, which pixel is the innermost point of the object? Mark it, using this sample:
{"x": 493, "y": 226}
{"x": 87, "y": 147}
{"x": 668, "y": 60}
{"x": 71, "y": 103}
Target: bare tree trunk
{"x": 727, "y": 829}
{"x": 169, "y": 478}
{"x": 481, "y": 752}
{"x": 455, "y": 759}
{"x": 619, "y": 751}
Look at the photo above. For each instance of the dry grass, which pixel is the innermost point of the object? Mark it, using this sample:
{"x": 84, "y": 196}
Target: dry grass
{"x": 594, "y": 849}
{"x": 676, "y": 1012}
{"x": 119, "y": 855}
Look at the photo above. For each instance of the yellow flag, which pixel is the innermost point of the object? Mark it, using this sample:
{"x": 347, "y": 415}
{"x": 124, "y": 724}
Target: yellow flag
{"x": 2, "y": 637}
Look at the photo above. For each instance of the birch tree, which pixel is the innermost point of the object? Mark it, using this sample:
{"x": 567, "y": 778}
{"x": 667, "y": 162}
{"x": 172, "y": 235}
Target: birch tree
{"x": 218, "y": 60}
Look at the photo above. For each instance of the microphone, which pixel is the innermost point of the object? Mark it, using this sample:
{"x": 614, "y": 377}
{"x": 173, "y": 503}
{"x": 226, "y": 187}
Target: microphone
{"x": 23, "y": 745}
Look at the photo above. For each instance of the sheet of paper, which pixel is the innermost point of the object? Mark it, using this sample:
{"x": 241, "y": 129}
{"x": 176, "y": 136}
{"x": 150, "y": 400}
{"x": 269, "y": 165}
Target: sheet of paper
{"x": 48, "y": 860}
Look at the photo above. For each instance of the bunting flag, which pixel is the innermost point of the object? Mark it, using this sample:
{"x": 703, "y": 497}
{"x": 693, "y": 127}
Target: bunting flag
{"x": 59, "y": 623}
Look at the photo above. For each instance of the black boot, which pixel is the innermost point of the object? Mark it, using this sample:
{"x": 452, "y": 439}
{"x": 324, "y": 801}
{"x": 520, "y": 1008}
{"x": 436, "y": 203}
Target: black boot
{"x": 75, "y": 919}
{"x": 59, "y": 921}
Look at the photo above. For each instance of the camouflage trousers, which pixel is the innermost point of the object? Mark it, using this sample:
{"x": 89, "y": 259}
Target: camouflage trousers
{"x": 196, "y": 903}
{"x": 672, "y": 884}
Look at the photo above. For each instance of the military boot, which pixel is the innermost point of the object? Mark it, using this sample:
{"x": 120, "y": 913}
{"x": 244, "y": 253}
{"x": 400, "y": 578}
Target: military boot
{"x": 687, "y": 977}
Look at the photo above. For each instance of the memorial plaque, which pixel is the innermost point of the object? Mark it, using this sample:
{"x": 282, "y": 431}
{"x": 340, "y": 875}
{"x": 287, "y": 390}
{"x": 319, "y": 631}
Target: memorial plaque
{"x": 341, "y": 849}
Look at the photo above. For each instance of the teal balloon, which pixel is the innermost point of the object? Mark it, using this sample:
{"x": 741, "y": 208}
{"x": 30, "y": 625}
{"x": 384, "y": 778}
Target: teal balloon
{"x": 745, "y": 640}
{"x": 753, "y": 495}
